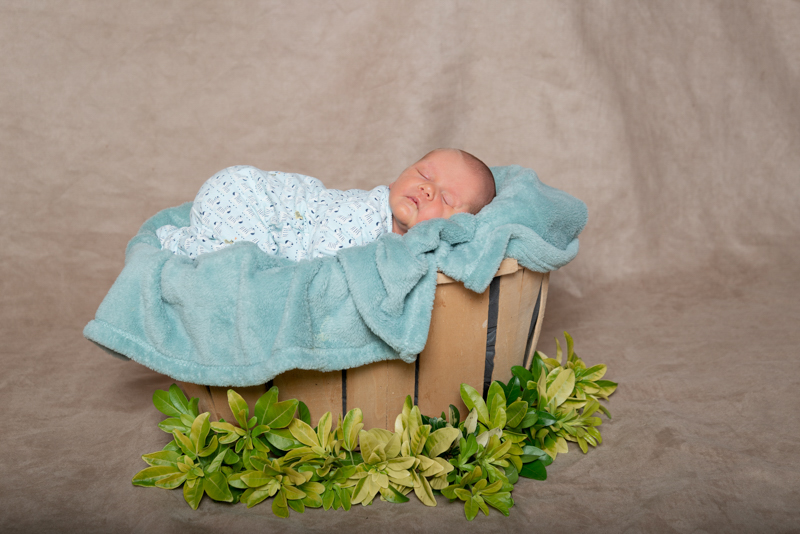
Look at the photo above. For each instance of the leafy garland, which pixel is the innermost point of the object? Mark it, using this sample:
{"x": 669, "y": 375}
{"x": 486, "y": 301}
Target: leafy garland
{"x": 522, "y": 428}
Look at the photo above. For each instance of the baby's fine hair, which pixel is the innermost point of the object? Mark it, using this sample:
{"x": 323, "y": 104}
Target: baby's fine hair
{"x": 489, "y": 190}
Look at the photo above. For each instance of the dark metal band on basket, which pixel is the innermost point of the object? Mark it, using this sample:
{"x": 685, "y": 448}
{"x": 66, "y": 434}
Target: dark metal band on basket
{"x": 491, "y": 333}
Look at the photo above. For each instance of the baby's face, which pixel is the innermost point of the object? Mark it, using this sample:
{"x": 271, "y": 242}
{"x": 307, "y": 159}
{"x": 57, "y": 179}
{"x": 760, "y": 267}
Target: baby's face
{"x": 437, "y": 186}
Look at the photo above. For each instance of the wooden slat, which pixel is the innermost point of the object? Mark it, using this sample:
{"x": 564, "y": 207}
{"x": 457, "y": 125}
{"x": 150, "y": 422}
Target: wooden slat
{"x": 518, "y": 292}
{"x": 322, "y": 392}
{"x": 379, "y": 389}
{"x": 456, "y": 348}
{"x": 540, "y": 320}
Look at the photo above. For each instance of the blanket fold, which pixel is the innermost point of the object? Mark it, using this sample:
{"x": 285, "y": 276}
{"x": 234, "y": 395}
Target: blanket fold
{"x": 239, "y": 317}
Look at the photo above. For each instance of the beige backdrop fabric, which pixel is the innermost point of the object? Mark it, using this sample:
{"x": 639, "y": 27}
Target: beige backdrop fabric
{"x": 678, "y": 123}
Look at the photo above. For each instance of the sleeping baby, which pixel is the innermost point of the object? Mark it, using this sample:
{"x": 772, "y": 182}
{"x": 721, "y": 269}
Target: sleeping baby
{"x": 296, "y": 217}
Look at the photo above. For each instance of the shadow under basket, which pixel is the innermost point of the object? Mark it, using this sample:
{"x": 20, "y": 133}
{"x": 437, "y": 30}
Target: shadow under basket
{"x": 473, "y": 339}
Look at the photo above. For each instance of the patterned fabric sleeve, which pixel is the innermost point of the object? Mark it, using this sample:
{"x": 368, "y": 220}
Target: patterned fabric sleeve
{"x": 350, "y": 224}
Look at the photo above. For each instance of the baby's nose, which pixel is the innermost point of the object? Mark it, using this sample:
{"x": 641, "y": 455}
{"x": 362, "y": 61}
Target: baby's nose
{"x": 427, "y": 190}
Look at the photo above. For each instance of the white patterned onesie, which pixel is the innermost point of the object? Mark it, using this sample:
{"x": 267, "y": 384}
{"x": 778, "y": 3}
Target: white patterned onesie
{"x": 285, "y": 214}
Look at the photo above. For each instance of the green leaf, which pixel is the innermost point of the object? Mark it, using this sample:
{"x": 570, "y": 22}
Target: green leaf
{"x": 185, "y": 444}
{"x": 393, "y": 496}
{"x": 303, "y": 412}
{"x": 324, "y": 429}
{"x": 545, "y": 418}
{"x": 593, "y": 373}
{"x": 513, "y": 390}
{"x": 303, "y": 433}
{"x": 499, "y": 417}
{"x": 502, "y": 501}
{"x": 471, "y": 508}
{"x": 537, "y": 366}
{"x": 495, "y": 390}
{"x": 530, "y": 419}
{"x": 570, "y": 346}
{"x": 473, "y": 400}
{"x": 280, "y": 414}
{"x": 471, "y": 422}
{"x": 523, "y": 374}
{"x": 239, "y": 408}
{"x": 453, "y": 416}
{"x": 230, "y": 457}
{"x": 171, "y": 482}
{"x": 216, "y": 463}
{"x": 515, "y": 413}
{"x": 162, "y": 403}
{"x": 173, "y": 423}
{"x": 468, "y": 447}
{"x": 418, "y": 439}
{"x": 511, "y": 473}
{"x": 296, "y": 505}
{"x": 422, "y": 489}
{"x": 193, "y": 492}
{"x": 345, "y": 495}
{"x": 193, "y": 410}
{"x": 264, "y": 402}
{"x": 562, "y": 386}
{"x": 199, "y": 431}
{"x": 280, "y": 506}
{"x": 147, "y": 477}
{"x": 531, "y": 453}
{"x": 178, "y": 400}
{"x": 440, "y": 441}
{"x": 255, "y": 479}
{"x": 327, "y": 498}
{"x": 534, "y": 470}
{"x": 351, "y": 426}
{"x": 282, "y": 439}
{"x": 541, "y": 389}
{"x": 162, "y": 458}
{"x": 216, "y": 486}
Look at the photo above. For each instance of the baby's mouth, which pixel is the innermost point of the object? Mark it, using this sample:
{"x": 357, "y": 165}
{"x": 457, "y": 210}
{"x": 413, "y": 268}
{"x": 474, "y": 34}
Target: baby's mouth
{"x": 415, "y": 200}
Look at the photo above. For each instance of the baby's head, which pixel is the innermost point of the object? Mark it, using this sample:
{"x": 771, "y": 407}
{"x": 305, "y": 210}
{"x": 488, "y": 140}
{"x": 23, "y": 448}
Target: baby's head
{"x": 444, "y": 182}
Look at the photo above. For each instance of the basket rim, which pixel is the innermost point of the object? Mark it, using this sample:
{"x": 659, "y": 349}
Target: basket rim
{"x": 507, "y": 266}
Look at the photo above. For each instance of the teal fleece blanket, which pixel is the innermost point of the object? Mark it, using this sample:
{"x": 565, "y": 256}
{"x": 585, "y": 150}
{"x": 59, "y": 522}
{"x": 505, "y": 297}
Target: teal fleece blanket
{"x": 239, "y": 317}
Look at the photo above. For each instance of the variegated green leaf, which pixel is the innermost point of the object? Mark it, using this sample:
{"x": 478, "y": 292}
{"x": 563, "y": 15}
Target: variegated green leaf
{"x": 239, "y": 408}
{"x": 216, "y": 486}
{"x": 593, "y": 373}
{"x": 324, "y": 429}
{"x": 162, "y": 458}
{"x": 472, "y": 399}
{"x": 495, "y": 389}
{"x": 515, "y": 413}
{"x": 185, "y": 444}
{"x": 561, "y": 387}
{"x": 440, "y": 441}
{"x": 280, "y": 414}
{"x": 351, "y": 427}
{"x": 193, "y": 492}
{"x": 163, "y": 404}
{"x": 199, "y": 431}
{"x": 263, "y": 404}
{"x": 149, "y": 476}
{"x": 303, "y": 433}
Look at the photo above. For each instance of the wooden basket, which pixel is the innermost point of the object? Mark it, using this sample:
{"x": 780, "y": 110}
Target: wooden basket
{"x": 474, "y": 339}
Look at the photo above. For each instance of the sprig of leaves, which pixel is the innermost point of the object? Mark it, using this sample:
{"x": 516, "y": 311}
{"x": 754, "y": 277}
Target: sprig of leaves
{"x": 516, "y": 431}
